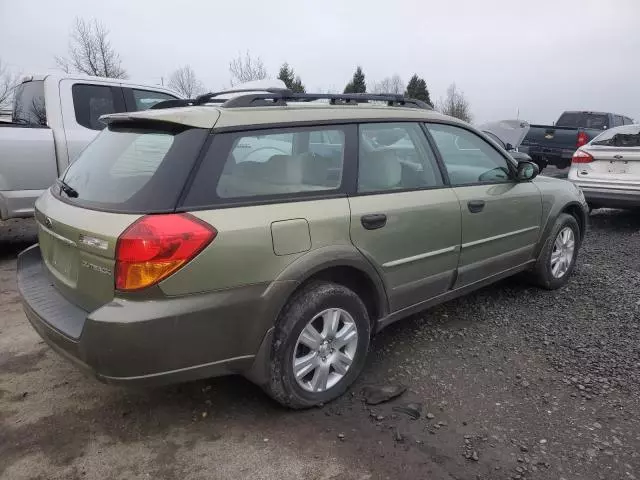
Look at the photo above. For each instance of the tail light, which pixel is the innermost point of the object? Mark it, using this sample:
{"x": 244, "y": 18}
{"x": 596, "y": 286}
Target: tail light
{"x": 582, "y": 139}
{"x": 581, "y": 157}
{"x": 156, "y": 246}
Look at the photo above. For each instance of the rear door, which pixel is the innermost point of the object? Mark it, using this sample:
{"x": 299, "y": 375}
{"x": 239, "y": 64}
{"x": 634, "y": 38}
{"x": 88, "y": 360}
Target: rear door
{"x": 126, "y": 172}
{"x": 500, "y": 217}
{"x": 616, "y": 156}
{"x": 404, "y": 218}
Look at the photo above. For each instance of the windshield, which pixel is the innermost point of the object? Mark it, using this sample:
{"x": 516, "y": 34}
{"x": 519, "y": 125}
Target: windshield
{"x": 626, "y": 136}
{"x": 139, "y": 170}
{"x": 599, "y": 121}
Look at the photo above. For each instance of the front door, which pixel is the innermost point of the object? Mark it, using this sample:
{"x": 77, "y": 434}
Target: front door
{"x": 500, "y": 217}
{"x": 403, "y": 217}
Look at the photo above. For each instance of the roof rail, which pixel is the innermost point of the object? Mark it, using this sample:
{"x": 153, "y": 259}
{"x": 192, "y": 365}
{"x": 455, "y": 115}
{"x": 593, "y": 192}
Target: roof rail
{"x": 210, "y": 97}
{"x": 281, "y": 97}
{"x": 173, "y": 103}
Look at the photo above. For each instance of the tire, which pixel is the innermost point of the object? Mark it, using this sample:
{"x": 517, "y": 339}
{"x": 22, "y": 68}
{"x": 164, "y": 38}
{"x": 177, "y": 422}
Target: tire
{"x": 542, "y": 273}
{"x": 562, "y": 164}
{"x": 541, "y": 165}
{"x": 303, "y": 307}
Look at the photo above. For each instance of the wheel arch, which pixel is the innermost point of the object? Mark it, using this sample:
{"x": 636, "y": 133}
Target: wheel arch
{"x": 340, "y": 264}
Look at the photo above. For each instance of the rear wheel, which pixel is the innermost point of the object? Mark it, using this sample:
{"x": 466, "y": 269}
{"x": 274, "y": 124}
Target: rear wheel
{"x": 558, "y": 256}
{"x": 320, "y": 345}
{"x": 562, "y": 164}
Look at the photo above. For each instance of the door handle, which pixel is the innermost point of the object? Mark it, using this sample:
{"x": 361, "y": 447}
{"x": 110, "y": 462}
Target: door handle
{"x": 475, "y": 206}
{"x": 373, "y": 221}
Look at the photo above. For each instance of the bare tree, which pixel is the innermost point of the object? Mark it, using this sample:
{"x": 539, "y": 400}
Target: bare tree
{"x": 90, "y": 51}
{"x": 8, "y": 81}
{"x": 455, "y": 104}
{"x": 392, "y": 84}
{"x": 184, "y": 81}
{"x": 245, "y": 69}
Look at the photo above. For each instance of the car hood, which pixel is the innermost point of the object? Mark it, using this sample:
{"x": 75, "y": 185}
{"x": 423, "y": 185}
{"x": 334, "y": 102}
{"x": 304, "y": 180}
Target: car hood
{"x": 509, "y": 131}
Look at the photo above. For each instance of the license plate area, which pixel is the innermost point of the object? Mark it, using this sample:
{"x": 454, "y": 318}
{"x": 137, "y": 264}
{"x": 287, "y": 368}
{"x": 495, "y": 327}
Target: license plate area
{"x": 618, "y": 167}
{"x": 61, "y": 256}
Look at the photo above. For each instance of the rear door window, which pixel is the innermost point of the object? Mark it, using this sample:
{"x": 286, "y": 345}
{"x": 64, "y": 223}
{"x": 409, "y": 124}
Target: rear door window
{"x": 395, "y": 156}
{"x": 134, "y": 170}
{"x": 90, "y": 102}
{"x": 29, "y": 106}
{"x": 138, "y": 99}
{"x": 271, "y": 164}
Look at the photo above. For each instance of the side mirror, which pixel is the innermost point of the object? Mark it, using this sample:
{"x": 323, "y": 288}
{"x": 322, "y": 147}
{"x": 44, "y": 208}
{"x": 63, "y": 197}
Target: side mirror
{"x": 508, "y": 147}
{"x": 527, "y": 171}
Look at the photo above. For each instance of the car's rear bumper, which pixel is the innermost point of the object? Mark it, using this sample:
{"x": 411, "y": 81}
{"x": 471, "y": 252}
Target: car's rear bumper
{"x": 147, "y": 342}
{"x": 607, "y": 195}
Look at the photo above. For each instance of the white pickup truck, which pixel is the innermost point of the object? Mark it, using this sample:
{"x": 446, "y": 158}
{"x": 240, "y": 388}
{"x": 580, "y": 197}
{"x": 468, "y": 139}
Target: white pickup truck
{"x": 53, "y": 119}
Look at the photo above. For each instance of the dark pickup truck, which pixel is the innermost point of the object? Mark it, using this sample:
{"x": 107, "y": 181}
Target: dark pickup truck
{"x": 555, "y": 144}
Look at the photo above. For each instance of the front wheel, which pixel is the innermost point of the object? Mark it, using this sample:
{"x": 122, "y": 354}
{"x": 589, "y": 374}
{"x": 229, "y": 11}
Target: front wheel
{"x": 320, "y": 345}
{"x": 558, "y": 256}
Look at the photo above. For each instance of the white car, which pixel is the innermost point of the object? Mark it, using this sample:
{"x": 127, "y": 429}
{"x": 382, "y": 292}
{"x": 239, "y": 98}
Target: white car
{"x": 607, "y": 169}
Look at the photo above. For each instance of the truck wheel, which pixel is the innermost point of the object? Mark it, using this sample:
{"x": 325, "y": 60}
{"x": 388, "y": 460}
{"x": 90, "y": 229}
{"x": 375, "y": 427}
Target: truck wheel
{"x": 558, "y": 255}
{"x": 562, "y": 164}
{"x": 541, "y": 165}
{"x": 320, "y": 345}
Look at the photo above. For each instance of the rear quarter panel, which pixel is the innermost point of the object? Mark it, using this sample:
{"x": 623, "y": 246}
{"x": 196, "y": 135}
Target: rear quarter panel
{"x": 243, "y": 251}
{"x": 27, "y": 158}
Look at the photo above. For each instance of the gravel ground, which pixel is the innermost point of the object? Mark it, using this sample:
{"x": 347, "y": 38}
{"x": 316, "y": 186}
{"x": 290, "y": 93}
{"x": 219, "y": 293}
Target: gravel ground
{"x": 511, "y": 382}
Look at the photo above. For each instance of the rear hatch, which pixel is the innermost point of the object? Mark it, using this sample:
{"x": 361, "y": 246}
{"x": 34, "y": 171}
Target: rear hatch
{"x": 128, "y": 171}
{"x": 616, "y": 158}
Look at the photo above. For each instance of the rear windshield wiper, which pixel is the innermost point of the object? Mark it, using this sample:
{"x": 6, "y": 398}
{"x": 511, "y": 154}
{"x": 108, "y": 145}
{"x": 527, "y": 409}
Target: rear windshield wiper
{"x": 70, "y": 191}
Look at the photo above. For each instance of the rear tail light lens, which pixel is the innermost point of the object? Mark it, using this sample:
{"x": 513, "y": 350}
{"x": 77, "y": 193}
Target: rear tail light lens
{"x": 156, "y": 246}
{"x": 582, "y": 139}
{"x": 581, "y": 157}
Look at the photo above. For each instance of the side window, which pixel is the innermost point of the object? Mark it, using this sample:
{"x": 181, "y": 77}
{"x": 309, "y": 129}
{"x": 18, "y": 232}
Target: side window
{"x": 468, "y": 158}
{"x": 395, "y": 156}
{"x": 628, "y": 121}
{"x": 144, "y": 99}
{"x": 90, "y": 102}
{"x": 28, "y": 105}
{"x": 271, "y": 162}
{"x": 618, "y": 120}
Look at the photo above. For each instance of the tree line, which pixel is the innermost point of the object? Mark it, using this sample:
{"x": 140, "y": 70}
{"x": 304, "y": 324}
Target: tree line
{"x": 90, "y": 52}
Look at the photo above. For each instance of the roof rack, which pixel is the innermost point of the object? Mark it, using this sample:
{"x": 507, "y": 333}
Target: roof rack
{"x": 280, "y": 97}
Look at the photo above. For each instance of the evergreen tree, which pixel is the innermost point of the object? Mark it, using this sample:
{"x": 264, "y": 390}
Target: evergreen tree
{"x": 290, "y": 79}
{"x": 417, "y": 88}
{"x": 357, "y": 84}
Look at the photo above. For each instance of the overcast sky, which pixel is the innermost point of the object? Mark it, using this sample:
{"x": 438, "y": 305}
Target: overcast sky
{"x": 538, "y": 57}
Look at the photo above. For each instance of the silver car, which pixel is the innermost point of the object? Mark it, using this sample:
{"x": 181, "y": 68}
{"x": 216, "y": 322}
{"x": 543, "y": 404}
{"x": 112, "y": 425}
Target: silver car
{"x": 607, "y": 169}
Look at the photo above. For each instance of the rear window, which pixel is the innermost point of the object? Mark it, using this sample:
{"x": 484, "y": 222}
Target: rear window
{"x": 627, "y": 136}
{"x": 28, "y": 106}
{"x": 134, "y": 170}
{"x": 597, "y": 121}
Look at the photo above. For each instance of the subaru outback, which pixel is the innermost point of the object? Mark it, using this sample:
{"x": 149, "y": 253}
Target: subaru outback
{"x": 272, "y": 234}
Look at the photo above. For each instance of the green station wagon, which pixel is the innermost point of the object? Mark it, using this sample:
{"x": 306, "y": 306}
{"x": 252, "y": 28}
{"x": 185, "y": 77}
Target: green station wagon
{"x": 272, "y": 234}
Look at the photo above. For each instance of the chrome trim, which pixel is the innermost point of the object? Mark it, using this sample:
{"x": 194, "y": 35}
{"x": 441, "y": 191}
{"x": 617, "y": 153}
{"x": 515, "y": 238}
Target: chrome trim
{"x": 58, "y": 236}
{"x": 498, "y": 237}
{"x": 402, "y": 261}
